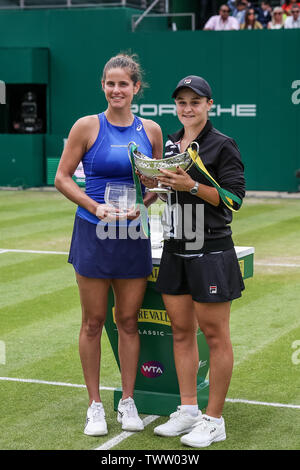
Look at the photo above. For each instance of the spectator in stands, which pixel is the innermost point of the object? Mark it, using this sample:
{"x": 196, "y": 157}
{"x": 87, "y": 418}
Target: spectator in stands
{"x": 277, "y": 21}
{"x": 250, "y": 20}
{"x": 264, "y": 13}
{"x": 238, "y": 9}
{"x": 287, "y": 6}
{"x": 293, "y": 21}
{"x": 222, "y": 22}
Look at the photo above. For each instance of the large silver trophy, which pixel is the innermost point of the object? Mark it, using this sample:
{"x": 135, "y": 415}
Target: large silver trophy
{"x": 150, "y": 167}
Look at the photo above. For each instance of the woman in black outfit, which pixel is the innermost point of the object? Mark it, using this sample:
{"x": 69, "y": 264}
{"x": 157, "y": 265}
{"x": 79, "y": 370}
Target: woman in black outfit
{"x": 199, "y": 277}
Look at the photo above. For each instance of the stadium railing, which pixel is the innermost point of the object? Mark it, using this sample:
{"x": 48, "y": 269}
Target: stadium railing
{"x": 161, "y": 7}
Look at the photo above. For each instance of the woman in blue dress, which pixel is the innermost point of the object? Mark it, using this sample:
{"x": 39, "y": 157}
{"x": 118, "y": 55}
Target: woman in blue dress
{"x": 100, "y": 142}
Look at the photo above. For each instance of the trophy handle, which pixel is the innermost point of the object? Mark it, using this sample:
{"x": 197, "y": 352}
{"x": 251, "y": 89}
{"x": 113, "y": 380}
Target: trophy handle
{"x": 196, "y": 145}
{"x": 129, "y": 147}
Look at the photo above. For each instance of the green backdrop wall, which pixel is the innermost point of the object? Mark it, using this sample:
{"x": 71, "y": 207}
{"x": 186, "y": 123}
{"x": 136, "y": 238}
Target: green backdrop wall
{"x": 255, "y": 77}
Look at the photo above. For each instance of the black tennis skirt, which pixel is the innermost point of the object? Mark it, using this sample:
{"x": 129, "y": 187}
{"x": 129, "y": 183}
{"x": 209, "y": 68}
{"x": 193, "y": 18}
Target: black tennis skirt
{"x": 209, "y": 277}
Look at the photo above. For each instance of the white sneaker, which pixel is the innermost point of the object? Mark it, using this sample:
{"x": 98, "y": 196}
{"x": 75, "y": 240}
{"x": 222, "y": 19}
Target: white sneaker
{"x": 180, "y": 422}
{"x": 205, "y": 433}
{"x": 95, "y": 420}
{"x": 128, "y": 416}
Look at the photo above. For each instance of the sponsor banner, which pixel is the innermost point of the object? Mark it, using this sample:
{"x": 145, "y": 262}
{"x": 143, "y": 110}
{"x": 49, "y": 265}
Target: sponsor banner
{"x": 79, "y": 176}
{"x": 154, "y": 275}
{"x": 147, "y": 315}
{"x": 242, "y": 267}
{"x": 202, "y": 364}
{"x": 217, "y": 110}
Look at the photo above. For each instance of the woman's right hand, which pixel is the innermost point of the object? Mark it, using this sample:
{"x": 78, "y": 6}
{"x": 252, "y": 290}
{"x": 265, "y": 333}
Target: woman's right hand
{"x": 109, "y": 213}
{"x": 106, "y": 213}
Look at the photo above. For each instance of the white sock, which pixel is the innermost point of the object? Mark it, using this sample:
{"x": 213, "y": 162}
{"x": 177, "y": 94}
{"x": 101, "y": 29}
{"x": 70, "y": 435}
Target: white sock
{"x": 97, "y": 403}
{"x": 216, "y": 420}
{"x": 125, "y": 400}
{"x": 190, "y": 409}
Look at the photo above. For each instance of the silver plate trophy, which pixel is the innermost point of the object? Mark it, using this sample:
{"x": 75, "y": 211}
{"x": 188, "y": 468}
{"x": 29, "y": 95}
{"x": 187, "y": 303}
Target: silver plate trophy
{"x": 150, "y": 167}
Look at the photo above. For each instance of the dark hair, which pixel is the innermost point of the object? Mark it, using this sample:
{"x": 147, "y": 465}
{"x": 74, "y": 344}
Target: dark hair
{"x": 247, "y": 22}
{"x": 126, "y": 61}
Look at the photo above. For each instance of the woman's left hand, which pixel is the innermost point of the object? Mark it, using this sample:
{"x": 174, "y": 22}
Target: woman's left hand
{"x": 179, "y": 180}
{"x": 150, "y": 183}
{"x": 133, "y": 213}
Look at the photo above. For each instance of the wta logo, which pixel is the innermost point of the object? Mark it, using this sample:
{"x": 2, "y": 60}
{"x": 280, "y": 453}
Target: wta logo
{"x": 152, "y": 369}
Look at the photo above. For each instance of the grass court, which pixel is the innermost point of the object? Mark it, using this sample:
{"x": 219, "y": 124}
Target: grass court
{"x": 43, "y": 399}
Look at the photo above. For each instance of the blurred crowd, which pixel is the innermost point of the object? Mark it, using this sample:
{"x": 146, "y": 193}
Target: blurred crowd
{"x": 241, "y": 14}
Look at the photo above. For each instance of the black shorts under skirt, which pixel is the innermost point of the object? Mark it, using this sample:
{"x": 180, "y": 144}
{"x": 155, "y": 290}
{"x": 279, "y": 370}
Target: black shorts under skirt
{"x": 209, "y": 277}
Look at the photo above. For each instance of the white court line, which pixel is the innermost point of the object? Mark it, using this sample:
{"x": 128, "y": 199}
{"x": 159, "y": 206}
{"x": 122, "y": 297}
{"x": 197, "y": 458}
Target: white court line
{"x": 107, "y": 445}
{"x": 120, "y": 437}
{"x": 264, "y": 403}
{"x": 46, "y": 382}
{"x": 66, "y": 384}
{"x": 284, "y": 265}
{"x": 34, "y": 251}
{"x": 149, "y": 419}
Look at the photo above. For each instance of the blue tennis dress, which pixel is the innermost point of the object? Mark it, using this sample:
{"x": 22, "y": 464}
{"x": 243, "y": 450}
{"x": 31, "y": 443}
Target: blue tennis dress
{"x": 92, "y": 253}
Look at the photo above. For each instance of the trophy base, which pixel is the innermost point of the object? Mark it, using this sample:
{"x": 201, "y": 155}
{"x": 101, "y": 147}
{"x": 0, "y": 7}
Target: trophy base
{"x": 160, "y": 189}
{"x": 119, "y": 214}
